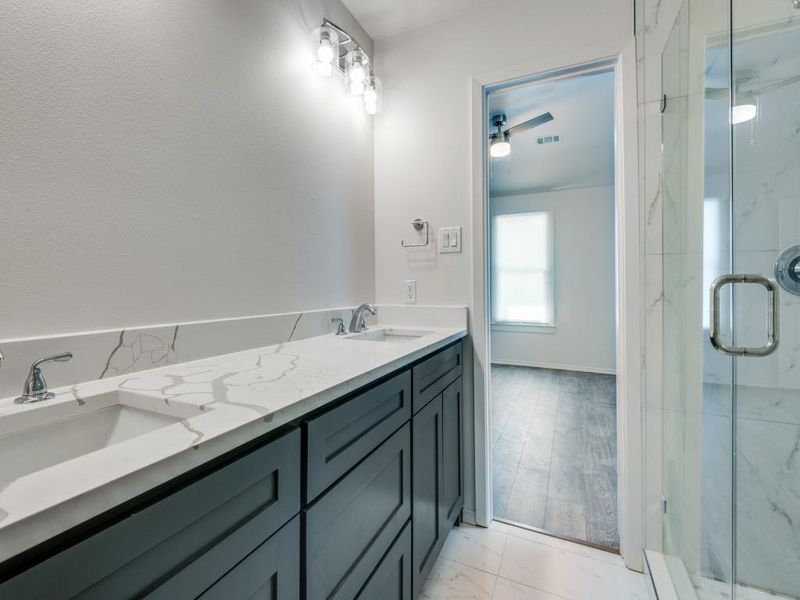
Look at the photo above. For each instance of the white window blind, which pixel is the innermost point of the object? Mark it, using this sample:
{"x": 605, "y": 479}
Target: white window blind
{"x": 522, "y": 268}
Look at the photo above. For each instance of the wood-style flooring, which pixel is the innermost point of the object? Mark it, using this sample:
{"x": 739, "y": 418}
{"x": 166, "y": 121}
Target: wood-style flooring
{"x": 554, "y": 454}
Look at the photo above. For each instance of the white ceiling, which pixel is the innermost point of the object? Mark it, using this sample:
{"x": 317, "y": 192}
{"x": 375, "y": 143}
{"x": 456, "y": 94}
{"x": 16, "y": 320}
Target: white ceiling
{"x": 385, "y": 18}
{"x": 583, "y": 111}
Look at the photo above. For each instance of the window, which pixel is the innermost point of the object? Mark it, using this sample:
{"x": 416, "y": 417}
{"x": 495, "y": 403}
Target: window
{"x": 522, "y": 268}
{"x": 714, "y": 248}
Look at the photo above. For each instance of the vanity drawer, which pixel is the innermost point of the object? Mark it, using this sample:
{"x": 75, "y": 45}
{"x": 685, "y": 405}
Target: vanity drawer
{"x": 349, "y": 529}
{"x": 272, "y": 572}
{"x": 338, "y": 439}
{"x": 433, "y": 375}
{"x": 391, "y": 579}
{"x": 135, "y": 555}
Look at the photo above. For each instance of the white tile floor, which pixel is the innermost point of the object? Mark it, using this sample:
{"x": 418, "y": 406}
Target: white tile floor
{"x": 509, "y": 563}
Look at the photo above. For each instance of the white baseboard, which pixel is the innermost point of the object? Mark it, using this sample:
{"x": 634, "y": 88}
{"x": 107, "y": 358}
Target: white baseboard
{"x": 468, "y": 516}
{"x": 555, "y": 366}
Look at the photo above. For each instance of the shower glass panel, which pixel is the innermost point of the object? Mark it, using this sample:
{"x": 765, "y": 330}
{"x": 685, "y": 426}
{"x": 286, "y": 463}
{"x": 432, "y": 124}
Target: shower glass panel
{"x": 730, "y": 424}
{"x": 766, "y": 220}
{"x": 697, "y": 476}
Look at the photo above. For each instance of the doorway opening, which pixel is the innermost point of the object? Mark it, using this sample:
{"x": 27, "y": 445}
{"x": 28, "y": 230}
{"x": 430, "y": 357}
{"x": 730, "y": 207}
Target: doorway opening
{"x": 552, "y": 304}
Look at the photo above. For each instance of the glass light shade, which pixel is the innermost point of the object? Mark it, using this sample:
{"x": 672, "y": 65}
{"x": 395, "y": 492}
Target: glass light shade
{"x": 325, "y": 69}
{"x": 356, "y": 64}
{"x": 326, "y": 42}
{"x": 499, "y": 147}
{"x": 742, "y": 113}
{"x": 325, "y": 51}
{"x": 357, "y": 87}
{"x": 373, "y": 95}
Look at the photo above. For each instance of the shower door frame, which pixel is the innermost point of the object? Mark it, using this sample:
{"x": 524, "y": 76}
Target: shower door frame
{"x": 629, "y": 286}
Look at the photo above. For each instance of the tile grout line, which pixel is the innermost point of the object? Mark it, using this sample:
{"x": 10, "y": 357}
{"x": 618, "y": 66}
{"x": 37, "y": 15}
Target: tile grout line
{"x": 526, "y": 585}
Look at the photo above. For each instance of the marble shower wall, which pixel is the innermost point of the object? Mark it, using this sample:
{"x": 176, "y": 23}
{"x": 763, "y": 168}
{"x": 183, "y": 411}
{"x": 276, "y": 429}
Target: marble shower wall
{"x": 654, "y": 23}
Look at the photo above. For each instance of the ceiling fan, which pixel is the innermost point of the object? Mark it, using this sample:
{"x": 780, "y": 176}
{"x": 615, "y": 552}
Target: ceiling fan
{"x": 745, "y": 107}
{"x": 499, "y": 143}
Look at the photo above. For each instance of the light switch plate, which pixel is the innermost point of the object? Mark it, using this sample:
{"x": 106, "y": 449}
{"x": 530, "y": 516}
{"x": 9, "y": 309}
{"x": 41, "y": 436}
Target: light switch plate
{"x": 449, "y": 240}
{"x": 411, "y": 291}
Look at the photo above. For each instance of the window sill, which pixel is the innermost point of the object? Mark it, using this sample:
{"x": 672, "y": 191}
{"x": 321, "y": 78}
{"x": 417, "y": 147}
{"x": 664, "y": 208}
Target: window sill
{"x": 524, "y": 328}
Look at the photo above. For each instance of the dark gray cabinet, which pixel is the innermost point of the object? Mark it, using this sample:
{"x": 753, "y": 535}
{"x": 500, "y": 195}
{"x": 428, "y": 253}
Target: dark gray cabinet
{"x": 350, "y": 527}
{"x": 354, "y": 504}
{"x": 391, "y": 579}
{"x": 194, "y": 535}
{"x": 339, "y": 438}
{"x": 437, "y": 475}
{"x": 431, "y": 376}
{"x": 428, "y": 488}
{"x": 452, "y": 487}
{"x": 271, "y": 572}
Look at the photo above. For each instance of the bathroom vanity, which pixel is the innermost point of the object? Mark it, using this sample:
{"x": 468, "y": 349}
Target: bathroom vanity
{"x": 346, "y": 492}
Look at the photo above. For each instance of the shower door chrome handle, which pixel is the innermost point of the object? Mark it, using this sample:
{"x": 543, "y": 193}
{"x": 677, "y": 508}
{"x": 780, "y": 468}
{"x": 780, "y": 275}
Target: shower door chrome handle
{"x": 773, "y": 310}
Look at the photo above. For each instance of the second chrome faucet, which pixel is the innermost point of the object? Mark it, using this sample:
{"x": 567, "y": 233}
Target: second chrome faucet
{"x": 357, "y": 323}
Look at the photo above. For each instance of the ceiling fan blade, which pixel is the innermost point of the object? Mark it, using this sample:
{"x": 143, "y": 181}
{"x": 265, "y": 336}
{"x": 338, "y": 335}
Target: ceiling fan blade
{"x": 776, "y": 85}
{"x": 717, "y": 93}
{"x": 534, "y": 122}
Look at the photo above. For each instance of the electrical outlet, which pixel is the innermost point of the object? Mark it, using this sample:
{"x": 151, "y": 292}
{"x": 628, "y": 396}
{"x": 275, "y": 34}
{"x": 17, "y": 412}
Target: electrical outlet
{"x": 411, "y": 291}
{"x": 449, "y": 240}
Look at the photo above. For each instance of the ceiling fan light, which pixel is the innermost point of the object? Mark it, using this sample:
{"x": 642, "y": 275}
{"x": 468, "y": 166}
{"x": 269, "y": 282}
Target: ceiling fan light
{"x": 499, "y": 146}
{"x": 741, "y": 113}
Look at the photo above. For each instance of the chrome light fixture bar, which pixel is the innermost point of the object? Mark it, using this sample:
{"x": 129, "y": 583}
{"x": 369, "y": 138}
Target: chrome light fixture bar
{"x": 337, "y": 49}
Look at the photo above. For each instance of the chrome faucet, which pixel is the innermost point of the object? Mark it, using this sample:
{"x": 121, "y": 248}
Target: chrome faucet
{"x": 340, "y": 330}
{"x": 357, "y": 323}
{"x": 35, "y": 388}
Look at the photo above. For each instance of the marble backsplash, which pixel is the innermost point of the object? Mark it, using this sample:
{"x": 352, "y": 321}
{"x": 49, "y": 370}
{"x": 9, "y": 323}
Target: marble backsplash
{"x": 101, "y": 354}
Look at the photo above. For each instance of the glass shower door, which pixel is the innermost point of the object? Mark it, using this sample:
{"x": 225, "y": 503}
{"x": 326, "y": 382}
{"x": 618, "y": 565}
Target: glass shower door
{"x": 765, "y": 76}
{"x": 697, "y": 388}
{"x": 730, "y": 418}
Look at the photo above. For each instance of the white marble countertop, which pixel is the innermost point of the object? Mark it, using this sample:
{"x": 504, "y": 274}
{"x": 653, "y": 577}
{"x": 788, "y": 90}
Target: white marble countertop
{"x": 232, "y": 398}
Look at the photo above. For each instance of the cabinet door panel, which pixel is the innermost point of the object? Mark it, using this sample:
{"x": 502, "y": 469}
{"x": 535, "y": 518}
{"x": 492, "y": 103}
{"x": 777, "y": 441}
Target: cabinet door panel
{"x": 135, "y": 555}
{"x": 351, "y": 526}
{"x": 338, "y": 439}
{"x": 391, "y": 580}
{"x": 453, "y": 497}
{"x": 427, "y": 489}
{"x": 271, "y": 572}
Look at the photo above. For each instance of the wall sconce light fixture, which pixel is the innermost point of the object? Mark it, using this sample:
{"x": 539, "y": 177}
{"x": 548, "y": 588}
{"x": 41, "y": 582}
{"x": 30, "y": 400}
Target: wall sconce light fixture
{"x": 373, "y": 95}
{"x": 338, "y": 51}
{"x": 327, "y": 44}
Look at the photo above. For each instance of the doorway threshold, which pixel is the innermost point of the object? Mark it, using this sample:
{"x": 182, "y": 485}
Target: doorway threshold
{"x": 557, "y": 536}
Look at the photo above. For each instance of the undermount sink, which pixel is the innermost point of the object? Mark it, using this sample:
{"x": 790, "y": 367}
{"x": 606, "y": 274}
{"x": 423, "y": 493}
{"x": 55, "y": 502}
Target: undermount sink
{"x": 47, "y": 434}
{"x": 388, "y": 335}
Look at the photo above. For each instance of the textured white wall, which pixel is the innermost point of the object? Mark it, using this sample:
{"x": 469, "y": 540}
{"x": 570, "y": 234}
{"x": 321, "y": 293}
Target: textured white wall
{"x": 423, "y": 137}
{"x": 173, "y": 161}
{"x": 423, "y": 147}
{"x": 584, "y": 334}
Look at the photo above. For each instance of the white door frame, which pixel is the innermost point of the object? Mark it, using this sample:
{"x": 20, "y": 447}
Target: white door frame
{"x": 629, "y": 286}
